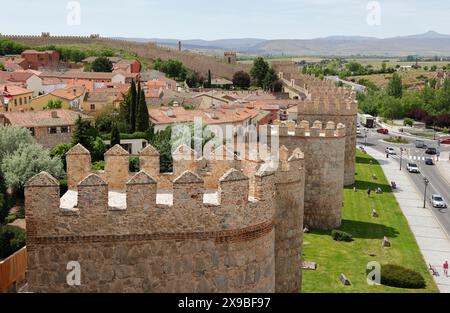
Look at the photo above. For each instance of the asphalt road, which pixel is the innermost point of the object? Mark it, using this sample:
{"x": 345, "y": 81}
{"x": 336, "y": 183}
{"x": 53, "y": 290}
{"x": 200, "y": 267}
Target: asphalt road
{"x": 437, "y": 185}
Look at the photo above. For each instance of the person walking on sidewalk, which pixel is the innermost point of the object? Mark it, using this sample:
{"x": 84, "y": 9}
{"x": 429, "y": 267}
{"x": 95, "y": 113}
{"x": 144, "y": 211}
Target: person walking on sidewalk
{"x": 368, "y": 191}
{"x": 445, "y": 268}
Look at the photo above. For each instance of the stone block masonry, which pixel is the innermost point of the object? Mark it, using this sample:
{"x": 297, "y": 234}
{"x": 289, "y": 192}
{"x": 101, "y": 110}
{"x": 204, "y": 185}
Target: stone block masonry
{"x": 126, "y": 239}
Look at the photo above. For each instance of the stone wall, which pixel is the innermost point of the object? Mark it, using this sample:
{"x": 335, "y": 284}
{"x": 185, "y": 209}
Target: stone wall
{"x": 324, "y": 151}
{"x": 148, "y": 51}
{"x": 188, "y": 245}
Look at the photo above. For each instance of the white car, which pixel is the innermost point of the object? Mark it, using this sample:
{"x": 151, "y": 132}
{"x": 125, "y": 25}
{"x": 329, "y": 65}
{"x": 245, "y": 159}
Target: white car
{"x": 438, "y": 202}
{"x": 412, "y": 168}
{"x": 390, "y": 150}
{"x": 358, "y": 131}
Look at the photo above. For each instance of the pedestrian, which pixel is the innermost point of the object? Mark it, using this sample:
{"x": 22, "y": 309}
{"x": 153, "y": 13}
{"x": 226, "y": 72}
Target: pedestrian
{"x": 368, "y": 191}
{"x": 387, "y": 155}
{"x": 445, "y": 268}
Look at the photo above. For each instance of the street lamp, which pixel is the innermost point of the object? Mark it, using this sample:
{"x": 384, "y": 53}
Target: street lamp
{"x": 365, "y": 137}
{"x": 426, "y": 182}
{"x": 401, "y": 157}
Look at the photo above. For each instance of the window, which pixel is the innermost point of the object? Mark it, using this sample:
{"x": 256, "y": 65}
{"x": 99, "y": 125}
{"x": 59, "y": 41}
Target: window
{"x": 92, "y": 107}
{"x": 52, "y": 130}
{"x": 64, "y": 129}
{"x": 25, "y": 100}
{"x": 15, "y": 102}
{"x": 31, "y": 129}
{"x": 20, "y": 101}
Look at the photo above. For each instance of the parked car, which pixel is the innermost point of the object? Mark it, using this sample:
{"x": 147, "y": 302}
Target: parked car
{"x": 438, "y": 202}
{"x": 431, "y": 151}
{"x": 412, "y": 168}
{"x": 420, "y": 144}
{"x": 383, "y": 131}
{"x": 390, "y": 150}
{"x": 429, "y": 161}
{"x": 358, "y": 131}
{"x": 446, "y": 141}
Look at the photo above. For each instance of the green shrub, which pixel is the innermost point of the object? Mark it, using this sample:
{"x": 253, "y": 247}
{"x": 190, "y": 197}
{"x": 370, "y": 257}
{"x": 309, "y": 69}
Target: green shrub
{"x": 12, "y": 238}
{"x": 98, "y": 166}
{"x": 398, "y": 276}
{"x": 408, "y": 122}
{"x": 340, "y": 235}
{"x": 134, "y": 164}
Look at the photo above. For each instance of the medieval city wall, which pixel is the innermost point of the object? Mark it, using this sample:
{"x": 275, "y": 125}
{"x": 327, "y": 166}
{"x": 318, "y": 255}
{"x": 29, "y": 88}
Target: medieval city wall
{"x": 125, "y": 241}
{"x": 324, "y": 151}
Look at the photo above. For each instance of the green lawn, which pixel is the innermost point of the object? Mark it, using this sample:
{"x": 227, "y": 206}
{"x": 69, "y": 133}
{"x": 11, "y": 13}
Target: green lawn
{"x": 334, "y": 258}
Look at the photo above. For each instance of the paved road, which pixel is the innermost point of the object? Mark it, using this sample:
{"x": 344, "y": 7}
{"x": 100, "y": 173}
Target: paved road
{"x": 438, "y": 185}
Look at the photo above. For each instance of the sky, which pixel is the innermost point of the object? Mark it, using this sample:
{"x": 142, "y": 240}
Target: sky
{"x": 213, "y": 19}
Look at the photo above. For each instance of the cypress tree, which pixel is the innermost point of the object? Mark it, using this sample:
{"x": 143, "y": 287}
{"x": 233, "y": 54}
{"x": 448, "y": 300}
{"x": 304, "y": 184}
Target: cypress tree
{"x": 115, "y": 135}
{"x": 142, "y": 122}
{"x": 209, "y": 78}
{"x": 133, "y": 106}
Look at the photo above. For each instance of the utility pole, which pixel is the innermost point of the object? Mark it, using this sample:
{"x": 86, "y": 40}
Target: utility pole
{"x": 401, "y": 157}
{"x": 426, "y": 182}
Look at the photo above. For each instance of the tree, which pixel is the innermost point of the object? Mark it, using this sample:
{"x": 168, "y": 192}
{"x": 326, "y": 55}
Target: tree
{"x": 133, "y": 106}
{"x": 194, "y": 79}
{"x": 60, "y": 152}
{"x": 173, "y": 68}
{"x": 81, "y": 134}
{"x": 26, "y": 162}
{"x": 142, "y": 120}
{"x": 11, "y": 138}
{"x": 209, "y": 79}
{"x": 269, "y": 80}
{"x": 395, "y": 88}
{"x": 115, "y": 135}
{"x": 241, "y": 79}
{"x": 259, "y": 71}
{"x": 102, "y": 64}
{"x": 54, "y": 104}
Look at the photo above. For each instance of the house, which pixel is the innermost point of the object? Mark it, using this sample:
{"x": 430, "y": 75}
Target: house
{"x": 37, "y": 59}
{"x": 167, "y": 116}
{"x": 71, "y": 98}
{"x": 209, "y": 100}
{"x": 14, "y": 98}
{"x": 95, "y": 101}
{"x": 221, "y": 83}
{"x": 97, "y": 77}
{"x": 51, "y": 84}
{"x": 127, "y": 66}
{"x": 133, "y": 146}
{"x": 49, "y": 128}
{"x": 150, "y": 75}
{"x": 162, "y": 82}
{"x": 13, "y": 63}
{"x": 24, "y": 79}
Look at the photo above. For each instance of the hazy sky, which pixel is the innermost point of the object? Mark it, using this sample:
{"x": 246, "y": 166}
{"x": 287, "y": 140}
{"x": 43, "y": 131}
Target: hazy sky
{"x": 213, "y": 19}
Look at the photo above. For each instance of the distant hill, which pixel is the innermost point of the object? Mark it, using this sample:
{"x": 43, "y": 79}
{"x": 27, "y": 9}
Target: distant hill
{"x": 428, "y": 44}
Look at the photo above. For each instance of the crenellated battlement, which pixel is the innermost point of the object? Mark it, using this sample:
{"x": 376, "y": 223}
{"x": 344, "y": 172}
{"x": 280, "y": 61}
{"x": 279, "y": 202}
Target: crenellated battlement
{"x": 306, "y": 130}
{"x": 115, "y": 201}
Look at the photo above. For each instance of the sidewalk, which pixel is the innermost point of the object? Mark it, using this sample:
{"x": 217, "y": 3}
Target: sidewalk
{"x": 431, "y": 238}
{"x": 444, "y": 166}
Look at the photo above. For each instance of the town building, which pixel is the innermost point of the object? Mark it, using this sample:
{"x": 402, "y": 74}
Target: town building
{"x": 24, "y": 79}
{"x": 39, "y": 59}
{"x": 49, "y": 127}
{"x": 14, "y": 98}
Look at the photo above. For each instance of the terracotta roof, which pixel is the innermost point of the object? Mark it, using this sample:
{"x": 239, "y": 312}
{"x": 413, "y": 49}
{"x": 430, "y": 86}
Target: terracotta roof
{"x": 69, "y": 93}
{"x": 162, "y": 115}
{"x": 84, "y": 75}
{"x": 13, "y": 90}
{"x": 15, "y": 76}
{"x": 43, "y": 118}
{"x": 88, "y": 84}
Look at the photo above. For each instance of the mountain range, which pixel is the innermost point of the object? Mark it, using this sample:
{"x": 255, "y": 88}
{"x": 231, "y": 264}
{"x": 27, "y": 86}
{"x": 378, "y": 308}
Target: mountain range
{"x": 428, "y": 44}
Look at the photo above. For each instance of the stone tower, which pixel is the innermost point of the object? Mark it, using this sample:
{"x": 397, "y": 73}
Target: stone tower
{"x": 183, "y": 232}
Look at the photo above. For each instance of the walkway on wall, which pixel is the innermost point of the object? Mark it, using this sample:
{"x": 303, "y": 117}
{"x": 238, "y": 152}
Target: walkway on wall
{"x": 430, "y": 235}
